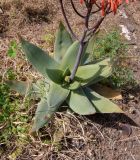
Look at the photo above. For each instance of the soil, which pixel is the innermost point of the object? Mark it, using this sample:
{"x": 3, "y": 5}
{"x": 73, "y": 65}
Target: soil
{"x": 68, "y": 136}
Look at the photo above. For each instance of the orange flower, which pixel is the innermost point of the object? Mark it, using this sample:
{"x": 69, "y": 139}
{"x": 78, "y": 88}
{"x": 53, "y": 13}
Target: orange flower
{"x": 81, "y": 1}
{"x": 113, "y": 4}
{"x": 103, "y": 7}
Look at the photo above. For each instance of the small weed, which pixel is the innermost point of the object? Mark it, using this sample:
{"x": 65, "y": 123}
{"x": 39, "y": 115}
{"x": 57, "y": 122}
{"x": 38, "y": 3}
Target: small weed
{"x": 12, "y": 51}
{"x": 49, "y": 38}
{"x": 13, "y": 117}
{"x": 11, "y": 75}
{"x": 109, "y": 45}
{"x": 112, "y": 46}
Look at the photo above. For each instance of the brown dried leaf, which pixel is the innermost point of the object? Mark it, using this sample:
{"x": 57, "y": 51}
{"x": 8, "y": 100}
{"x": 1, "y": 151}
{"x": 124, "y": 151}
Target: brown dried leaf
{"x": 108, "y": 92}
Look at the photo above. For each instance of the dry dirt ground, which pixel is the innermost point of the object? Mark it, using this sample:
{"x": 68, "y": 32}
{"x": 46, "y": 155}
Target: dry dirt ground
{"x": 98, "y": 137}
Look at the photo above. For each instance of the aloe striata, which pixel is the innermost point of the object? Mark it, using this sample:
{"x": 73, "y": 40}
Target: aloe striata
{"x": 76, "y": 93}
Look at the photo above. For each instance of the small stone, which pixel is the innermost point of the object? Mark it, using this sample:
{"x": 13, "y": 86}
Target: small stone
{"x": 132, "y": 110}
{"x": 1, "y": 11}
{"x": 131, "y": 27}
{"x": 126, "y": 129}
{"x": 131, "y": 97}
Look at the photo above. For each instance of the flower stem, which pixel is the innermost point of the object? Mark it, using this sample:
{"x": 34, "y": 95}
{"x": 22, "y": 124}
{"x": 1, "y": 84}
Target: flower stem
{"x": 78, "y": 59}
{"x": 66, "y": 20}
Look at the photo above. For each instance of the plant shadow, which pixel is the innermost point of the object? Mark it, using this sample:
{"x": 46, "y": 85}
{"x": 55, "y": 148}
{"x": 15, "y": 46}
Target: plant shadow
{"x": 117, "y": 121}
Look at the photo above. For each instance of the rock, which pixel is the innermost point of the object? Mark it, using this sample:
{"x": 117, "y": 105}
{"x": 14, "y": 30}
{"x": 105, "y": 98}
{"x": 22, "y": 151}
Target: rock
{"x": 1, "y": 11}
{"x": 131, "y": 97}
{"x": 131, "y": 27}
{"x": 125, "y": 32}
{"x": 136, "y": 17}
{"x": 132, "y": 110}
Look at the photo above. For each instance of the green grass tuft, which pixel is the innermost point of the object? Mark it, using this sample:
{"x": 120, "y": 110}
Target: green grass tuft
{"x": 112, "y": 45}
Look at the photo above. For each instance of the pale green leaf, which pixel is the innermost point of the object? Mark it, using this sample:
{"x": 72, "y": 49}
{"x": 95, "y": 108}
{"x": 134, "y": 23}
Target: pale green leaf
{"x": 102, "y": 104}
{"x": 55, "y": 75}
{"x": 62, "y": 42}
{"x": 105, "y": 72}
{"x": 87, "y": 73}
{"x": 43, "y": 114}
{"x": 69, "y": 58}
{"x": 79, "y": 103}
{"x": 57, "y": 95}
{"x": 35, "y": 90}
{"x": 88, "y": 56}
{"x": 38, "y": 58}
{"x": 72, "y": 86}
{"x": 94, "y": 72}
{"x": 66, "y": 72}
{"x": 19, "y": 86}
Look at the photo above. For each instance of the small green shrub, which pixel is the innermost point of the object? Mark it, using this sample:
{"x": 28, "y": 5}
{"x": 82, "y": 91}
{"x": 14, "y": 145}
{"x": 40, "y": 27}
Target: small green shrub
{"x": 12, "y": 122}
{"x": 5, "y": 103}
{"x": 49, "y": 38}
{"x": 111, "y": 45}
{"x": 11, "y": 75}
{"x": 12, "y": 51}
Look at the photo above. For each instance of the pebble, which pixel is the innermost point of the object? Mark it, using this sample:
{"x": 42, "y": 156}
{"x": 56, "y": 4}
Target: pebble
{"x": 131, "y": 27}
{"x": 1, "y": 11}
{"x": 132, "y": 110}
{"x": 131, "y": 97}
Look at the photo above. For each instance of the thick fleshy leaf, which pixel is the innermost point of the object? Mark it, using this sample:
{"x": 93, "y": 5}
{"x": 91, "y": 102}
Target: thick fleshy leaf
{"x": 102, "y": 104}
{"x": 19, "y": 86}
{"x": 66, "y": 72}
{"x": 88, "y": 56}
{"x": 88, "y": 52}
{"x": 87, "y": 73}
{"x": 38, "y": 58}
{"x": 106, "y": 70}
{"x": 57, "y": 95}
{"x": 94, "y": 72}
{"x": 43, "y": 114}
{"x": 35, "y": 90}
{"x": 55, "y": 75}
{"x": 62, "y": 42}
{"x": 79, "y": 102}
{"x": 70, "y": 56}
{"x": 72, "y": 86}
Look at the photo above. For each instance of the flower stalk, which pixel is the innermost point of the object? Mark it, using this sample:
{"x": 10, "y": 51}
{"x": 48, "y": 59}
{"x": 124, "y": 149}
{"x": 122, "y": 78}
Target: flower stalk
{"x": 105, "y": 6}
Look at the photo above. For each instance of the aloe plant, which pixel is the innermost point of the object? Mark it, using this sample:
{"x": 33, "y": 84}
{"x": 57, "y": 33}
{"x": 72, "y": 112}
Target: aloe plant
{"x": 59, "y": 88}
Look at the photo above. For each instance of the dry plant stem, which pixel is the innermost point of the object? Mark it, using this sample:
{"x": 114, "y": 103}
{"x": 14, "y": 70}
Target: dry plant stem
{"x": 85, "y": 38}
{"x": 79, "y": 55}
{"x": 82, "y": 44}
{"x": 67, "y": 22}
{"x": 97, "y": 5}
{"x": 73, "y": 6}
{"x": 88, "y": 16}
{"x": 96, "y": 11}
{"x": 97, "y": 24}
